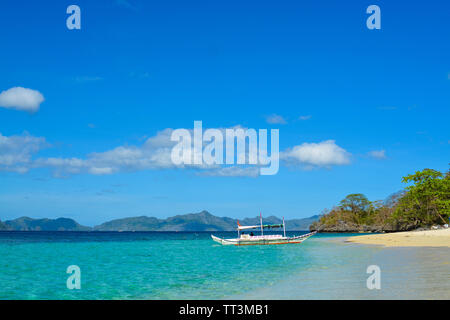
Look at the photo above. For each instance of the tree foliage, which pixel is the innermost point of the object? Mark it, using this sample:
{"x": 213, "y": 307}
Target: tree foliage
{"x": 427, "y": 200}
{"x": 424, "y": 202}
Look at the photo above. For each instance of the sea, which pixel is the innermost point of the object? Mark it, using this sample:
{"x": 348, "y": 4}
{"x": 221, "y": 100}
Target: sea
{"x": 189, "y": 265}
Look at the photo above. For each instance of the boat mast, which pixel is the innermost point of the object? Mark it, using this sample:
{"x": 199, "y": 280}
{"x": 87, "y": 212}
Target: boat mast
{"x": 239, "y": 231}
{"x": 284, "y": 228}
{"x": 260, "y": 218}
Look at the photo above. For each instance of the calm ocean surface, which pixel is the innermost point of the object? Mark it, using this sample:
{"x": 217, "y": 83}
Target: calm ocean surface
{"x": 188, "y": 265}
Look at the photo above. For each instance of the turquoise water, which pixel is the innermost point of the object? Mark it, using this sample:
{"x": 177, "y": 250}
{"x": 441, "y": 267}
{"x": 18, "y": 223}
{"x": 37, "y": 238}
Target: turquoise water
{"x": 191, "y": 266}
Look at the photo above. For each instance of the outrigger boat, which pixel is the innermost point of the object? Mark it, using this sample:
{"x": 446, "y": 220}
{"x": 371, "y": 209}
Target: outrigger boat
{"x": 246, "y": 239}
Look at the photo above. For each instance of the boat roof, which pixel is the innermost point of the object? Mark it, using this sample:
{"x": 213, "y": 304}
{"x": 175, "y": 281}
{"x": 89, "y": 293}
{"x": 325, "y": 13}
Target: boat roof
{"x": 259, "y": 226}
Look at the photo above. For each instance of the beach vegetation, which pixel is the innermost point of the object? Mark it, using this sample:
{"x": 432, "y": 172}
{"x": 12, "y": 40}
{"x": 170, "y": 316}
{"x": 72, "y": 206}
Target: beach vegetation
{"x": 424, "y": 202}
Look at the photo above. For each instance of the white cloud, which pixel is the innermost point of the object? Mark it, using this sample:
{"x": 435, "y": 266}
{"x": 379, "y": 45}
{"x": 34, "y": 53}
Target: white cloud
{"x": 101, "y": 171}
{"x": 162, "y": 139}
{"x": 303, "y": 118}
{"x": 153, "y": 154}
{"x": 322, "y": 154}
{"x": 16, "y": 152}
{"x": 21, "y": 99}
{"x": 275, "y": 119}
{"x": 377, "y": 154}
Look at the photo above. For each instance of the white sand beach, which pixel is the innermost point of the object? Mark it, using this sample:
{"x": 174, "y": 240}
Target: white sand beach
{"x": 428, "y": 238}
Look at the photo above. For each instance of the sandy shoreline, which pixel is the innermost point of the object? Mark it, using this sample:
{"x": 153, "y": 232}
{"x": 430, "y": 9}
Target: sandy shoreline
{"x": 429, "y": 238}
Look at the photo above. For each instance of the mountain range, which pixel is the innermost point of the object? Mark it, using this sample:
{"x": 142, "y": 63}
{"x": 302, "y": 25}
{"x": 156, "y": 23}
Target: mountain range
{"x": 202, "y": 221}
{"x": 29, "y": 224}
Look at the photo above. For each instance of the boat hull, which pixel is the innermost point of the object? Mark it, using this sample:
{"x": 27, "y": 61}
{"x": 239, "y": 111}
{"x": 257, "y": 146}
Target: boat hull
{"x": 262, "y": 241}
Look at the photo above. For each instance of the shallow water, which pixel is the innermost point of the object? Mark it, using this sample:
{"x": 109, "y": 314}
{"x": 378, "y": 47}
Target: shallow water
{"x": 340, "y": 272}
{"x": 169, "y": 265}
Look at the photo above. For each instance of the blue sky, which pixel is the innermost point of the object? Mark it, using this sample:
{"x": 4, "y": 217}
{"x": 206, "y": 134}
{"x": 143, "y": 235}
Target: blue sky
{"x": 137, "y": 68}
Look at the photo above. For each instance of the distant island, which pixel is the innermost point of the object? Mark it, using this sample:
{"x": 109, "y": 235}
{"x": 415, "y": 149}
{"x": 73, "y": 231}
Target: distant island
{"x": 423, "y": 204}
{"x": 202, "y": 221}
{"x": 3, "y": 226}
{"x": 29, "y": 224}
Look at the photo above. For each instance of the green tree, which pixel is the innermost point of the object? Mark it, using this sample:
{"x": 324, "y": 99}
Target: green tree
{"x": 355, "y": 202}
{"x": 427, "y": 200}
{"x": 358, "y": 205}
